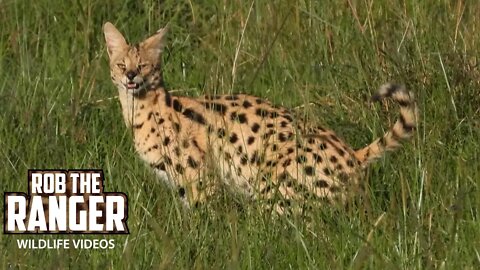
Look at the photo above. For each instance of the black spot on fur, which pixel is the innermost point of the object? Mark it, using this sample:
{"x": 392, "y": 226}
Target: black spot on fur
{"x": 155, "y": 100}
{"x": 195, "y": 143}
{"x": 217, "y": 107}
{"x": 269, "y": 133}
{"x": 177, "y": 106}
{"x": 273, "y": 114}
{"x": 403, "y": 103}
{"x": 327, "y": 171}
{"x": 152, "y": 130}
{"x": 301, "y": 188}
{"x": 181, "y": 192}
{"x": 256, "y": 159}
{"x": 287, "y": 162}
{"x": 343, "y": 177}
{"x": 160, "y": 166}
{"x": 261, "y": 112}
{"x": 382, "y": 142}
{"x": 244, "y": 159}
{"x": 309, "y": 170}
{"x": 194, "y": 116}
{"x": 266, "y": 189}
{"x": 233, "y": 116}
{"x": 168, "y": 99}
{"x": 271, "y": 163}
{"x": 408, "y": 128}
{"x": 250, "y": 140}
{"x": 340, "y": 152}
{"x": 320, "y": 128}
{"x": 259, "y": 101}
{"x": 321, "y": 184}
{"x": 317, "y": 158}
{"x": 179, "y": 168}
{"x": 176, "y": 127}
{"x": 323, "y": 146}
{"x": 301, "y": 159}
{"x": 284, "y": 124}
{"x": 283, "y": 176}
{"x": 231, "y": 97}
{"x": 285, "y": 203}
{"x": 255, "y": 127}
{"x": 288, "y": 117}
{"x": 192, "y": 163}
{"x": 242, "y": 118}
{"x": 166, "y": 141}
{"x": 138, "y": 126}
{"x": 350, "y": 163}
{"x": 221, "y": 132}
{"x": 233, "y": 138}
{"x": 333, "y": 159}
{"x": 246, "y": 104}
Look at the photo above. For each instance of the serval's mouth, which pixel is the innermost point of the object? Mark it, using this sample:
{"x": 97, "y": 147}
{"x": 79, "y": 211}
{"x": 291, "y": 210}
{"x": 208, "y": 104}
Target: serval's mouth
{"x": 132, "y": 85}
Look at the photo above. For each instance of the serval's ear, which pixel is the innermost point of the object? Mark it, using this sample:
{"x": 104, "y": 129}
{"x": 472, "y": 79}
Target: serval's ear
{"x": 114, "y": 39}
{"x": 155, "y": 43}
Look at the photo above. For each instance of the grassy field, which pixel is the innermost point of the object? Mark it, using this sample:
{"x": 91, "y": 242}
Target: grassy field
{"x": 58, "y": 110}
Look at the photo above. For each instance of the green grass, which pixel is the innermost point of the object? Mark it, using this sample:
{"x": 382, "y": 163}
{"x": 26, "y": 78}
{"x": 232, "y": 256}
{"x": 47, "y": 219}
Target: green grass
{"x": 423, "y": 200}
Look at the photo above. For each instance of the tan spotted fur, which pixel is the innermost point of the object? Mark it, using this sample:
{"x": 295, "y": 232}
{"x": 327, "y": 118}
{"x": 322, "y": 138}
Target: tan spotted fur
{"x": 258, "y": 149}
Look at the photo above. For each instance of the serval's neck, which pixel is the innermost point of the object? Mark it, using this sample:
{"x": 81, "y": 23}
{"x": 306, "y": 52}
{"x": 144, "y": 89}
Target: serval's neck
{"x": 132, "y": 104}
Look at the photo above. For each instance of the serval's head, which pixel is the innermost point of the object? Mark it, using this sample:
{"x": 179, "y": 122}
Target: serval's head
{"x": 134, "y": 68}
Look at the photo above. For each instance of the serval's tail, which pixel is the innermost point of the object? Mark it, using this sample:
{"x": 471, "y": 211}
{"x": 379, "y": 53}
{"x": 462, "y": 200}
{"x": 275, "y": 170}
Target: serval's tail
{"x": 402, "y": 129}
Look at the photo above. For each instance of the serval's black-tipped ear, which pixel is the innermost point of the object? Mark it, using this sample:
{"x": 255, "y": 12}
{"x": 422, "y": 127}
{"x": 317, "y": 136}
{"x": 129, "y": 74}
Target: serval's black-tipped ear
{"x": 156, "y": 43}
{"x": 114, "y": 39}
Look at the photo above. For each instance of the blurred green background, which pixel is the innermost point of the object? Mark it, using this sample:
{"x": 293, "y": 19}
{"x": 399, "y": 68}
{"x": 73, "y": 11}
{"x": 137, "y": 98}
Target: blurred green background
{"x": 325, "y": 58}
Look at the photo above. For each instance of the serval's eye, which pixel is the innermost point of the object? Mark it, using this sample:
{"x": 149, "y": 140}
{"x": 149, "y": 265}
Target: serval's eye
{"x": 142, "y": 66}
{"x": 121, "y": 66}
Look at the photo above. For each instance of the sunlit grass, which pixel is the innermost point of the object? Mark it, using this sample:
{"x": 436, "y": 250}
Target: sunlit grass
{"x": 325, "y": 58}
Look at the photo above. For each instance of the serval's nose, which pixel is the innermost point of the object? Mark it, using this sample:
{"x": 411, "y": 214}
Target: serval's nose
{"x": 131, "y": 74}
